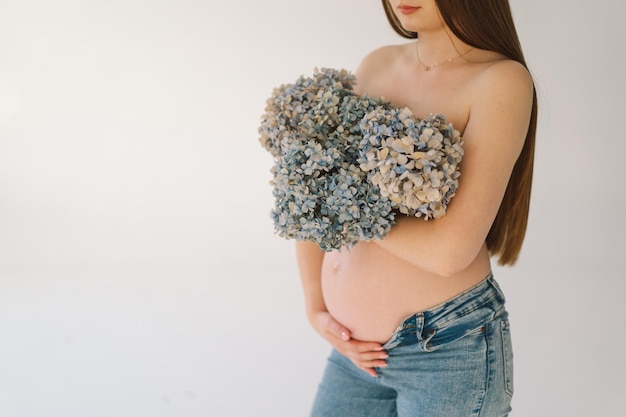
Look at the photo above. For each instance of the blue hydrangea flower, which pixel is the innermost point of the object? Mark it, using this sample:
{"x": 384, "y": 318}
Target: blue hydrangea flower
{"x": 415, "y": 163}
{"x": 344, "y": 164}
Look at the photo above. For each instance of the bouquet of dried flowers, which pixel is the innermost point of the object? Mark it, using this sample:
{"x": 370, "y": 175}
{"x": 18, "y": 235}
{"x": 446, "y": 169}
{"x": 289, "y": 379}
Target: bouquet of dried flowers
{"x": 344, "y": 165}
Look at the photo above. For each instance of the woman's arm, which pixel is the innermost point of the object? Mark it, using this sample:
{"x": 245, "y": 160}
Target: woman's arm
{"x": 493, "y": 139}
{"x": 365, "y": 355}
{"x": 310, "y": 258}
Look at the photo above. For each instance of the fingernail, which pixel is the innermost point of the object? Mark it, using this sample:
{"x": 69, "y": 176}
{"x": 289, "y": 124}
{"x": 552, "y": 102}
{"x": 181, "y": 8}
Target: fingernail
{"x": 344, "y": 336}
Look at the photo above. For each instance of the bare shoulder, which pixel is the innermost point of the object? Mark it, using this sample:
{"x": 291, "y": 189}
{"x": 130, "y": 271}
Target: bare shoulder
{"x": 376, "y": 64}
{"x": 505, "y": 79}
{"x": 379, "y": 56}
{"x": 501, "y": 105}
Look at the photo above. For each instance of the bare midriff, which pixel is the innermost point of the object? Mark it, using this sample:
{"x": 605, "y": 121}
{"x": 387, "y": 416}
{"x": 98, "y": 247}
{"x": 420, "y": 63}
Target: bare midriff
{"x": 370, "y": 291}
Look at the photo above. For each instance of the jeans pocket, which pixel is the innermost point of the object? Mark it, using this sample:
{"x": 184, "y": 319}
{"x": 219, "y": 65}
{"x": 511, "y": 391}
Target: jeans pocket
{"x": 436, "y": 340}
{"x": 458, "y": 328}
{"x": 507, "y": 355}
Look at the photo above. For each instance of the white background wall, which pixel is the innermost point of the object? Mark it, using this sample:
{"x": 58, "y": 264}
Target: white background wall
{"x": 139, "y": 274}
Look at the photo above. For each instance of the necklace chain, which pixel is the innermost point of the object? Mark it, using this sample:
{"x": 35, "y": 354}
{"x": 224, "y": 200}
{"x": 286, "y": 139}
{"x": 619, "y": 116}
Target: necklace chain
{"x": 429, "y": 67}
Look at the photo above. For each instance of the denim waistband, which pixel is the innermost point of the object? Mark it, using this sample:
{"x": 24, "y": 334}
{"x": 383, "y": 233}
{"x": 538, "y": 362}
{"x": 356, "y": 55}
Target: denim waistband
{"x": 485, "y": 295}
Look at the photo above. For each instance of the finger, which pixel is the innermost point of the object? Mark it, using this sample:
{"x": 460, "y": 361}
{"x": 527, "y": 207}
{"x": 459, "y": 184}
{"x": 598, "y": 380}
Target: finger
{"x": 369, "y": 359}
{"x": 362, "y": 347}
{"x": 371, "y": 367}
{"x": 371, "y": 371}
{"x": 372, "y": 356}
{"x": 339, "y": 331}
{"x": 372, "y": 364}
{"x": 366, "y": 355}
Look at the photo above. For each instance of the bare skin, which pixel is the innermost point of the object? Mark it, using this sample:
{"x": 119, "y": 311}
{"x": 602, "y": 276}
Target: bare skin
{"x": 355, "y": 299}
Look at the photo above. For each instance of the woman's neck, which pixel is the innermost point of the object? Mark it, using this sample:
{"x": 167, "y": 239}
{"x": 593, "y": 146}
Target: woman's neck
{"x": 437, "y": 46}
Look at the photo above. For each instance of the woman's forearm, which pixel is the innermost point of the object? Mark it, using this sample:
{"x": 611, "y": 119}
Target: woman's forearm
{"x": 430, "y": 245}
{"x": 310, "y": 258}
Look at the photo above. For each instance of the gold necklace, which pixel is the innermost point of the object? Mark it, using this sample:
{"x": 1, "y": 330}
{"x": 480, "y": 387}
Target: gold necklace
{"x": 429, "y": 67}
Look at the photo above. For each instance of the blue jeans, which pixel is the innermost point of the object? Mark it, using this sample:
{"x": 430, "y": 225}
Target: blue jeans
{"x": 454, "y": 360}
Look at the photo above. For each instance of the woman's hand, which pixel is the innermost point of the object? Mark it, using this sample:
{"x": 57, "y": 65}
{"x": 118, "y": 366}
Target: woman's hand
{"x": 365, "y": 355}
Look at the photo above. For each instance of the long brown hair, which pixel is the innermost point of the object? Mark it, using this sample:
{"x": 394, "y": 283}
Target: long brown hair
{"x": 488, "y": 24}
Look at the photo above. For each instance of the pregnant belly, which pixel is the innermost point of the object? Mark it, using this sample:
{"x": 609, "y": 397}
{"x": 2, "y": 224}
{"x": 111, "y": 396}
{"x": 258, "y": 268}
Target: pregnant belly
{"x": 370, "y": 291}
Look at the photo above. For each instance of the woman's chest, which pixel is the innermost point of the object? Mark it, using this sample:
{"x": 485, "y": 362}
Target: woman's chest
{"x": 424, "y": 95}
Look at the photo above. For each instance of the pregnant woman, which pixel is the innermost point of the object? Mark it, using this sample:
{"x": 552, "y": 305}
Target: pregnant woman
{"x": 416, "y": 320}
